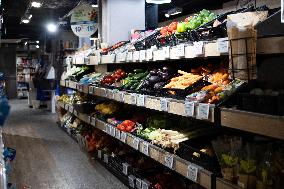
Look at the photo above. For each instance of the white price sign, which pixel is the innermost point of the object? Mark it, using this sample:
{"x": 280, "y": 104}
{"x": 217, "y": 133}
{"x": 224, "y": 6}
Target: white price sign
{"x": 75, "y": 113}
{"x": 140, "y": 100}
{"x": 136, "y": 56}
{"x": 192, "y": 172}
{"x": 203, "y": 111}
{"x": 93, "y": 121}
{"x": 91, "y": 90}
{"x": 166, "y": 52}
{"x": 71, "y": 109}
{"x": 125, "y": 167}
{"x": 164, "y": 103}
{"x": 108, "y": 129}
{"x": 149, "y": 54}
{"x": 121, "y": 96}
{"x": 180, "y": 50}
{"x": 110, "y": 94}
{"x": 145, "y": 148}
{"x": 123, "y": 137}
{"x": 169, "y": 161}
{"x": 99, "y": 154}
{"x": 129, "y": 56}
{"x": 142, "y": 56}
{"x": 138, "y": 183}
{"x": 106, "y": 158}
{"x": 131, "y": 180}
{"x": 66, "y": 107}
{"x": 136, "y": 143}
{"x": 145, "y": 184}
{"x": 121, "y": 57}
{"x": 117, "y": 133}
{"x": 198, "y": 47}
{"x": 223, "y": 45}
{"x": 133, "y": 98}
{"x": 189, "y": 109}
{"x": 113, "y": 130}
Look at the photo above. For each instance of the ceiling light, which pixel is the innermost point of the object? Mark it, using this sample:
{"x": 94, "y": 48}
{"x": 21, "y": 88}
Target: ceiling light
{"x": 37, "y": 42}
{"x": 36, "y": 4}
{"x": 94, "y": 6}
{"x": 167, "y": 15}
{"x": 51, "y": 27}
{"x": 158, "y": 1}
{"x": 37, "y": 46}
{"x": 25, "y": 21}
{"x": 174, "y": 11}
{"x": 30, "y": 16}
{"x": 26, "y": 43}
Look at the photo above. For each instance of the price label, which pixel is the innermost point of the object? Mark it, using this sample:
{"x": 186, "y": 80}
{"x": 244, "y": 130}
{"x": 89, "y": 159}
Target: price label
{"x": 91, "y": 90}
{"x": 192, "y": 172}
{"x": 120, "y": 57}
{"x": 131, "y": 181}
{"x": 121, "y": 96}
{"x": 223, "y": 45}
{"x": 161, "y": 54}
{"x": 133, "y": 98}
{"x": 138, "y": 183}
{"x": 136, "y": 56}
{"x": 180, "y": 50}
{"x": 123, "y": 137}
{"x": 164, "y": 104}
{"x": 66, "y": 107}
{"x": 110, "y": 94}
{"x": 169, "y": 161}
{"x": 117, "y": 133}
{"x": 142, "y": 56}
{"x": 113, "y": 130}
{"x": 149, "y": 54}
{"x": 104, "y": 92}
{"x": 106, "y": 158}
{"x": 189, "y": 109}
{"x": 198, "y": 47}
{"x": 145, "y": 148}
{"x": 136, "y": 143}
{"x": 129, "y": 56}
{"x": 99, "y": 154}
{"x": 140, "y": 100}
{"x": 108, "y": 129}
{"x": 71, "y": 109}
{"x": 89, "y": 119}
{"x": 125, "y": 167}
{"x": 166, "y": 52}
{"x": 203, "y": 111}
{"x": 145, "y": 184}
{"x": 75, "y": 113}
{"x": 93, "y": 121}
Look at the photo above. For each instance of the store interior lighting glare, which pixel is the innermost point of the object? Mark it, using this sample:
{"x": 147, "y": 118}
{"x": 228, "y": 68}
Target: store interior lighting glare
{"x": 94, "y": 6}
{"x": 30, "y": 16}
{"x": 26, "y": 21}
{"x": 51, "y": 27}
{"x": 158, "y": 1}
{"x": 37, "y": 42}
{"x": 37, "y": 46}
{"x": 36, "y": 4}
{"x": 174, "y": 11}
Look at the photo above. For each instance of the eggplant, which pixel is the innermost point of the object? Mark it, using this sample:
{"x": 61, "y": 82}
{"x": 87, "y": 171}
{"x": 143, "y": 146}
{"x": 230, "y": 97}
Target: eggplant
{"x": 154, "y": 79}
{"x": 166, "y": 69}
{"x": 154, "y": 72}
{"x": 159, "y": 85}
{"x": 165, "y": 76}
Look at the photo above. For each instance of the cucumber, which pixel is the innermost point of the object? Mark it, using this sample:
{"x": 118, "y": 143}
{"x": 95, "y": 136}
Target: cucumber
{"x": 133, "y": 87}
{"x": 139, "y": 71}
{"x": 140, "y": 75}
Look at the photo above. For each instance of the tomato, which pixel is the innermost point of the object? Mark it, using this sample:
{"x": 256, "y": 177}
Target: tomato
{"x": 121, "y": 127}
{"x": 129, "y": 128}
{"x": 172, "y": 26}
{"x": 164, "y": 30}
{"x": 128, "y": 123}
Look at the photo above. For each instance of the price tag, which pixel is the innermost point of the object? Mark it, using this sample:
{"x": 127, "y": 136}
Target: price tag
{"x": 136, "y": 56}
{"x": 131, "y": 181}
{"x": 145, "y": 184}
{"x": 91, "y": 90}
{"x": 104, "y": 92}
{"x": 164, "y": 104}
{"x": 133, "y": 98}
{"x": 180, "y": 50}
{"x": 145, "y": 148}
{"x": 125, "y": 167}
{"x": 66, "y": 107}
{"x": 89, "y": 119}
{"x": 140, "y": 100}
{"x": 189, "y": 109}
{"x": 138, "y": 183}
{"x": 120, "y": 57}
{"x": 99, "y": 154}
{"x": 113, "y": 130}
{"x": 110, "y": 94}
{"x": 129, "y": 56}
{"x": 121, "y": 96}
{"x": 123, "y": 137}
{"x": 106, "y": 158}
{"x": 75, "y": 113}
{"x": 71, "y": 109}
{"x": 136, "y": 143}
{"x": 117, "y": 133}
{"x": 169, "y": 161}
{"x": 166, "y": 52}
{"x": 203, "y": 111}
{"x": 149, "y": 54}
{"x": 198, "y": 47}
{"x": 142, "y": 56}
{"x": 223, "y": 45}
{"x": 161, "y": 54}
{"x": 108, "y": 129}
{"x": 192, "y": 172}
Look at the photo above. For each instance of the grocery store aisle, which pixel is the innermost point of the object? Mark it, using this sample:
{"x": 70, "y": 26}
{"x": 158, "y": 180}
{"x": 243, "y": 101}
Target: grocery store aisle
{"x": 46, "y": 157}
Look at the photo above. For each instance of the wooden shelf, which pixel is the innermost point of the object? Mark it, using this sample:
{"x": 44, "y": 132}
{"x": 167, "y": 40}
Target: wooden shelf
{"x": 179, "y": 165}
{"x": 267, "y": 125}
{"x": 177, "y": 107}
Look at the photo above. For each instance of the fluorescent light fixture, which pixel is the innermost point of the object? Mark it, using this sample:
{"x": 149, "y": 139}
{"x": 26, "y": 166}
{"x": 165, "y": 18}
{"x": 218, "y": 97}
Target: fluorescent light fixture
{"x": 51, "y": 27}
{"x": 37, "y": 46}
{"x": 174, "y": 11}
{"x": 167, "y": 15}
{"x": 158, "y": 1}
{"x": 26, "y": 43}
{"x": 94, "y": 6}
{"x": 26, "y": 21}
{"x": 37, "y": 42}
{"x": 30, "y": 16}
{"x": 36, "y": 4}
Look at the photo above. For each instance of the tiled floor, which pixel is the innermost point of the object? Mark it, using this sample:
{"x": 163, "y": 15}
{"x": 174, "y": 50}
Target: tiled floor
{"x": 46, "y": 157}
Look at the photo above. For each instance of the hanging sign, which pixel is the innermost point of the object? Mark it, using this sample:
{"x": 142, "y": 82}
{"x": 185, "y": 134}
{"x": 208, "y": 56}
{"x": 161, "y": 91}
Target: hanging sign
{"x": 84, "y": 21}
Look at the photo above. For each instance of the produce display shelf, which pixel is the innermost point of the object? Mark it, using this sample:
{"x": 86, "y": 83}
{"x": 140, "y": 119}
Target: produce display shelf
{"x": 223, "y": 184}
{"x": 178, "y": 107}
{"x": 203, "y": 177}
{"x": 267, "y": 125}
